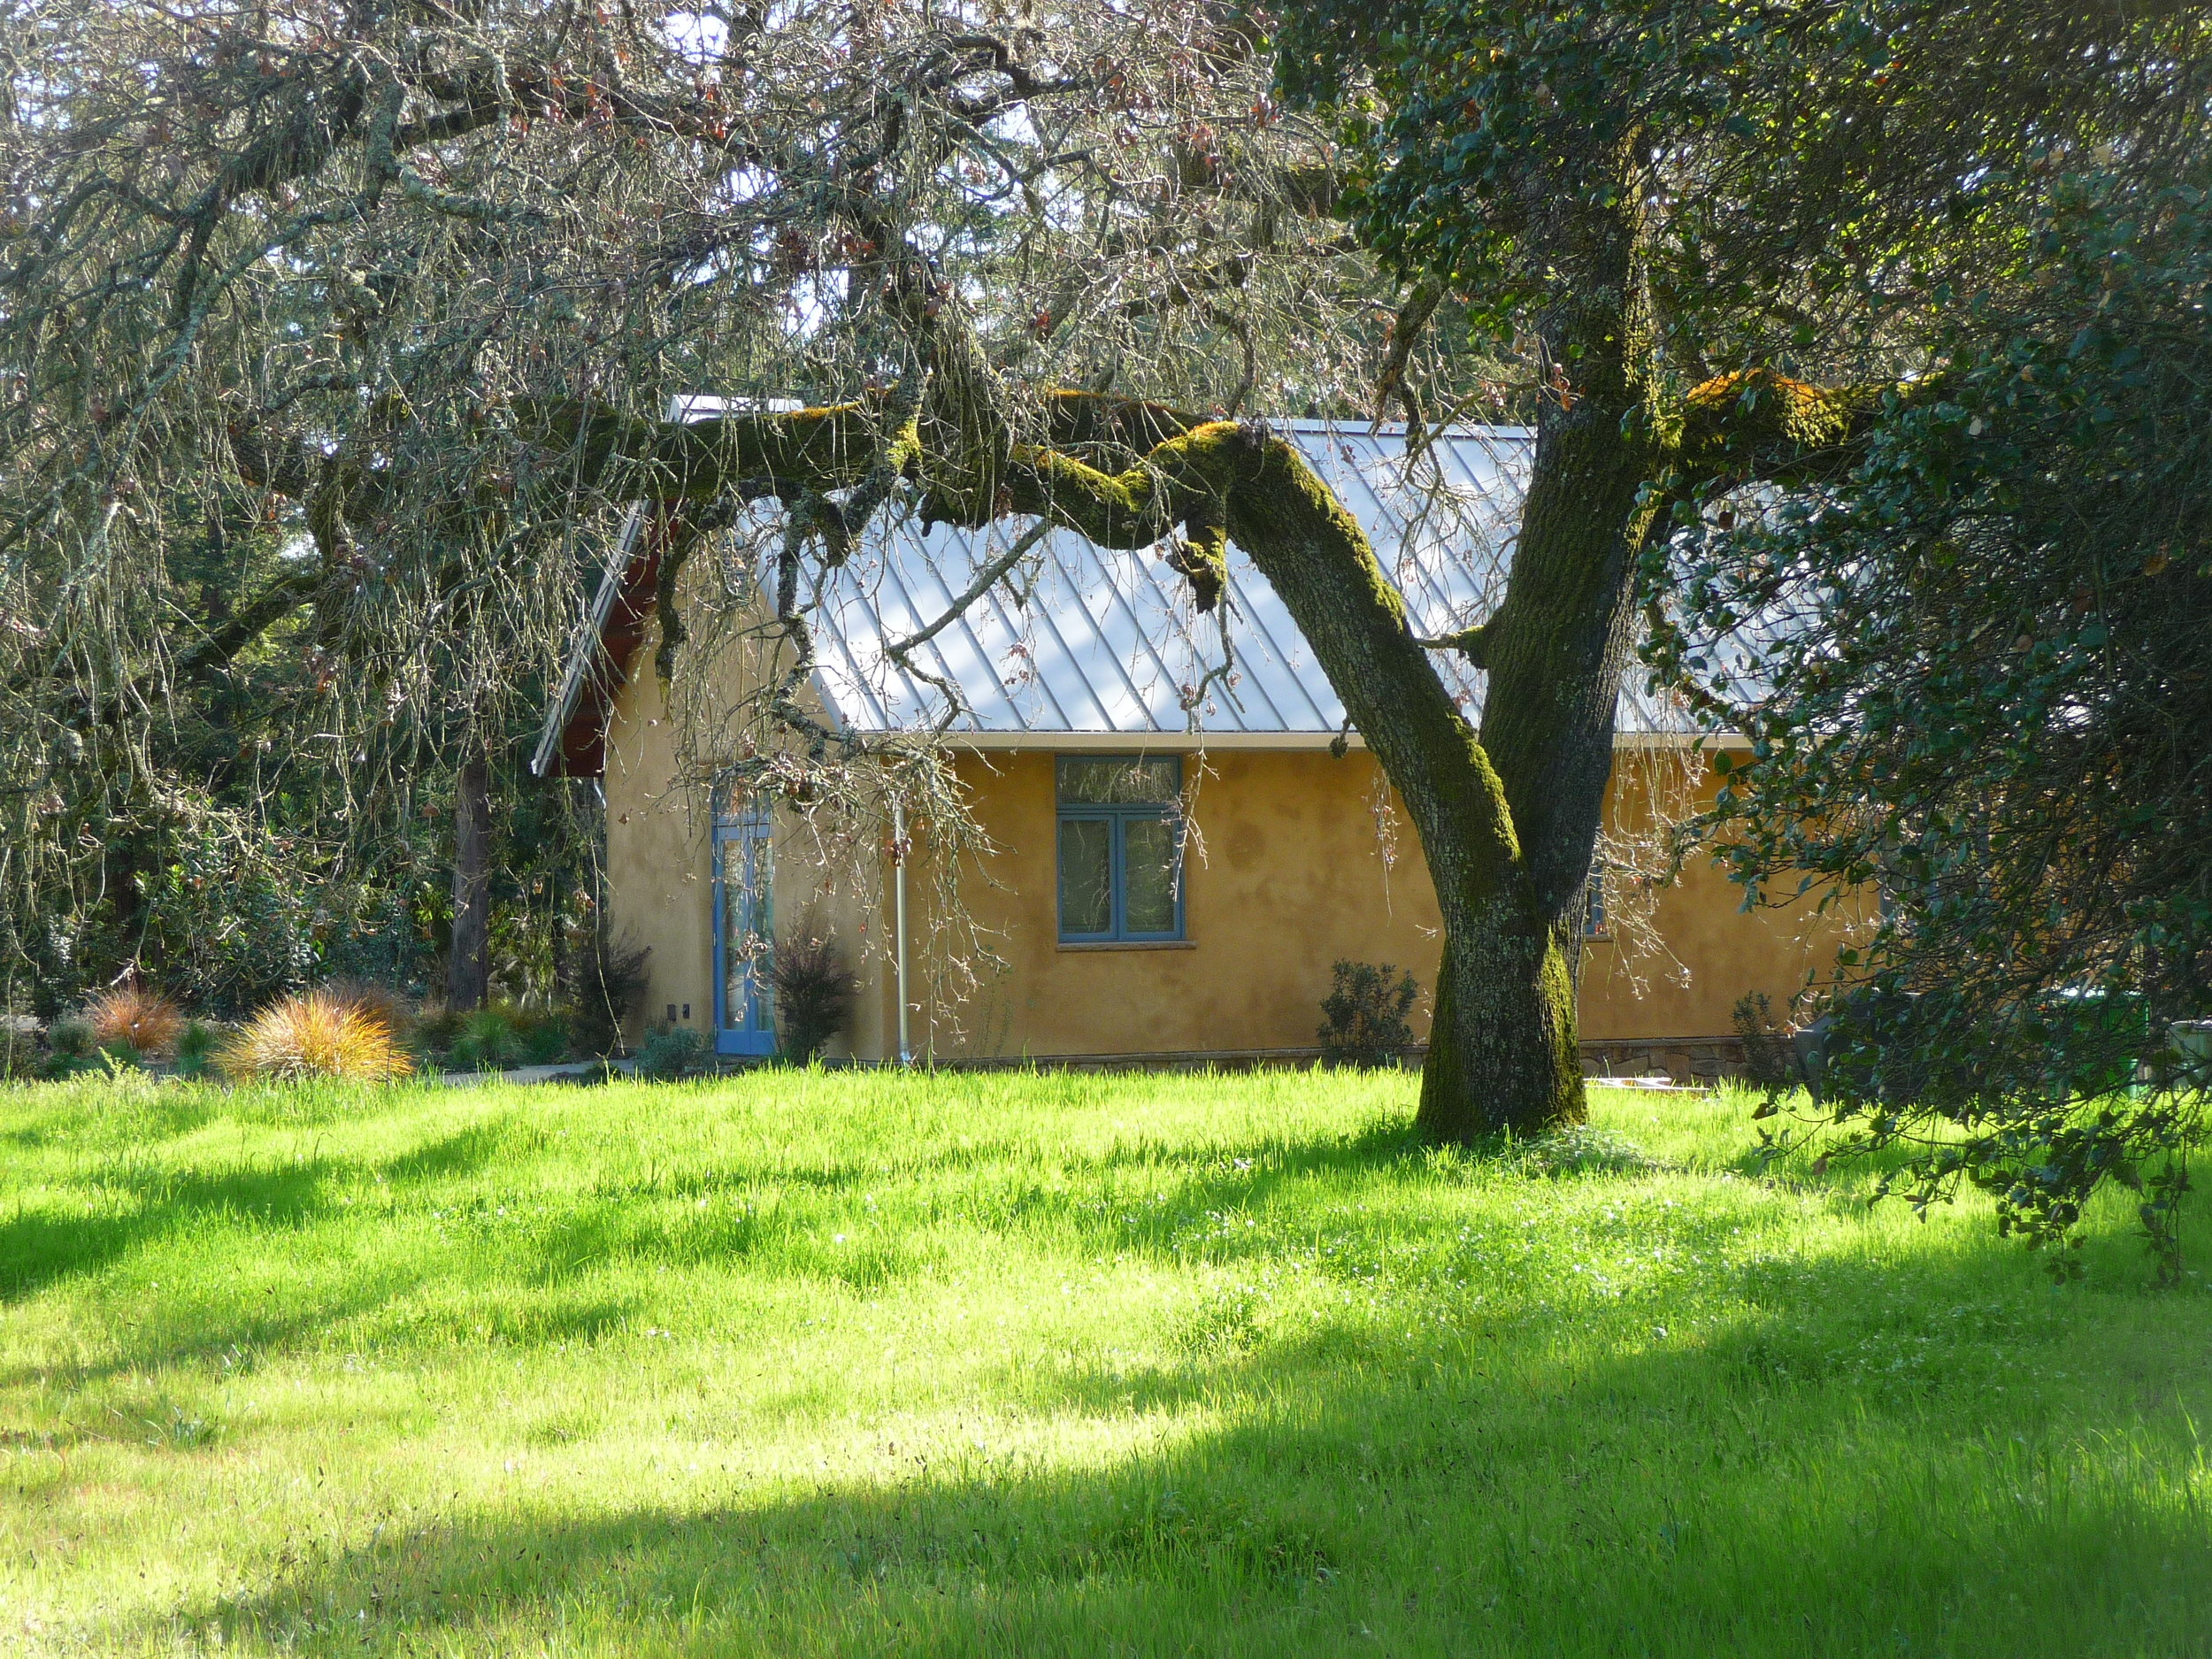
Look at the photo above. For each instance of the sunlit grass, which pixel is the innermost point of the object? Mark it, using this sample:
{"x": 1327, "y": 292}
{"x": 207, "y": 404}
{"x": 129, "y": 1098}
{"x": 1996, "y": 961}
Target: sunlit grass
{"x": 846, "y": 1363}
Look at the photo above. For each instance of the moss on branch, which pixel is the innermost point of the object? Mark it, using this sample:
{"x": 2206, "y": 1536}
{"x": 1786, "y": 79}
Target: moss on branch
{"x": 1761, "y": 424}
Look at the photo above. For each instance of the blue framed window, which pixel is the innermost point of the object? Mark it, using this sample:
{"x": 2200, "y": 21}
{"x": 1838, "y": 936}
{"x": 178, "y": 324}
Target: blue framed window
{"x": 1120, "y": 847}
{"x": 1593, "y": 921}
{"x": 744, "y": 933}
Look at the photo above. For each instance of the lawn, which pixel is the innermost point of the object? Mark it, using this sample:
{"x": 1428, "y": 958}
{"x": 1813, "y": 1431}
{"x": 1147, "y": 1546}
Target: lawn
{"x": 864, "y": 1363}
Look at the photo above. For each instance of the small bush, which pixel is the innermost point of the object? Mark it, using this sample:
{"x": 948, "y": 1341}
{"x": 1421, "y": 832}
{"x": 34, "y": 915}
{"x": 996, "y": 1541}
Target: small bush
{"x": 315, "y": 1036}
{"x": 148, "y": 1022}
{"x": 19, "y": 1056}
{"x": 195, "y": 1047}
{"x": 602, "y": 988}
{"x": 437, "y": 1032}
{"x": 670, "y": 1052}
{"x": 379, "y": 1001}
{"x": 119, "y": 1058}
{"x": 542, "y": 1035}
{"x": 71, "y": 1047}
{"x": 1364, "y": 1017}
{"x": 486, "y": 1041}
{"x": 1769, "y": 1059}
{"x": 815, "y": 992}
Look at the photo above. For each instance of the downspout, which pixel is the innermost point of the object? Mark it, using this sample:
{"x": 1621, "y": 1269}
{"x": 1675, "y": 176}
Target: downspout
{"x": 898, "y": 921}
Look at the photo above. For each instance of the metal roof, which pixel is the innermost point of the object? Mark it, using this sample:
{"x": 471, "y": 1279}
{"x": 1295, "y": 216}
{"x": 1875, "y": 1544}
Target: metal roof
{"x": 1081, "y": 640}
{"x": 1095, "y": 640}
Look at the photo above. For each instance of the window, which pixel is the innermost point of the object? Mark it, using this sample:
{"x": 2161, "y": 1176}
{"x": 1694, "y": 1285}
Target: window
{"x": 1593, "y": 903}
{"x": 1121, "y": 847}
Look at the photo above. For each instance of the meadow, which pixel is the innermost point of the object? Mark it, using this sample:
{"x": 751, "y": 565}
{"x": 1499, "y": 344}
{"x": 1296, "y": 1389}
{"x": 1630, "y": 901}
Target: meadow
{"x": 804, "y": 1363}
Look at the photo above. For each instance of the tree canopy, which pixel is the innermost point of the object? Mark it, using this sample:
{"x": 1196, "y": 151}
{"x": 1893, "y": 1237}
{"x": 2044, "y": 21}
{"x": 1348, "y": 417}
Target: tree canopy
{"x": 1976, "y": 674}
{"x": 282, "y": 291}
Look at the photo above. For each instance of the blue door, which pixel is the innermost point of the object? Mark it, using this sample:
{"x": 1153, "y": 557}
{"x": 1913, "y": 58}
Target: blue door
{"x": 744, "y": 934}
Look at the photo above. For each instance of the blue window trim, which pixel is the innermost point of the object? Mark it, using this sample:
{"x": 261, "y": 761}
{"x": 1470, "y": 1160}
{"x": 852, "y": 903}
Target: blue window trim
{"x": 739, "y": 839}
{"x": 1118, "y": 817}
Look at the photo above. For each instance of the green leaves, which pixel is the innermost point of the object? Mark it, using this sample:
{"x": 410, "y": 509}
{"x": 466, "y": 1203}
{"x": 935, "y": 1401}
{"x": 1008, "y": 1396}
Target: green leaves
{"x": 1990, "y": 678}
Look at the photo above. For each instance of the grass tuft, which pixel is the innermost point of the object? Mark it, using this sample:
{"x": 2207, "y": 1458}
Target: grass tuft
{"x": 135, "y": 1016}
{"x": 318, "y": 1035}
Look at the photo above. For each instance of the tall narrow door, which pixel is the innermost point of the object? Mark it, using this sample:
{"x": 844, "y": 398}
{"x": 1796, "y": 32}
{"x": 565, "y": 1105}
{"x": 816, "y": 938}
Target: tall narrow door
{"x": 744, "y": 934}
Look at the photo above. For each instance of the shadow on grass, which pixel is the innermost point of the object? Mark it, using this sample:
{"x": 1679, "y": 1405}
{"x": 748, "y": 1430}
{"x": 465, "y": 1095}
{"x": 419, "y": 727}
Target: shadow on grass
{"x": 38, "y": 1246}
{"x": 1763, "y": 1489}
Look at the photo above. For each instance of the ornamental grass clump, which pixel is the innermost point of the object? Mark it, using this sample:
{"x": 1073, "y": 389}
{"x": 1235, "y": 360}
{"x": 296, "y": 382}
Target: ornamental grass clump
{"x": 133, "y": 1017}
{"x": 317, "y": 1035}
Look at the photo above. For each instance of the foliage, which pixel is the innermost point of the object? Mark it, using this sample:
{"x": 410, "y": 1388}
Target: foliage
{"x": 488, "y": 1042}
{"x": 1363, "y": 1017}
{"x": 1801, "y": 173}
{"x": 815, "y": 990}
{"x": 1770, "y": 1060}
{"x": 317, "y": 1035}
{"x": 669, "y": 1052}
{"x": 603, "y": 986}
{"x": 496, "y": 1038}
{"x": 1702, "y": 230}
{"x": 20, "y": 1057}
{"x": 285, "y": 542}
{"x": 145, "y": 1019}
{"x": 196, "y": 1048}
{"x": 1098, "y": 1364}
{"x": 72, "y": 1046}
{"x": 1978, "y": 675}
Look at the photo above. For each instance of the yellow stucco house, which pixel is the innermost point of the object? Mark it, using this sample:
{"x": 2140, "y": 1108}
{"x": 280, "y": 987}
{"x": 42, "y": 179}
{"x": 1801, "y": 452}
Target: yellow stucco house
{"x": 1178, "y": 856}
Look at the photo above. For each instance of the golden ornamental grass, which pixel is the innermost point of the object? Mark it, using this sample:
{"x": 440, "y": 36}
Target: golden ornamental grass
{"x": 317, "y": 1035}
{"x": 147, "y": 1020}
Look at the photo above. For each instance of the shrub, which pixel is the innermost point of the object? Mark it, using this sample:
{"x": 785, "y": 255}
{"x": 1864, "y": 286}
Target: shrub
{"x": 71, "y": 1047}
{"x": 144, "y": 1020}
{"x": 670, "y": 1051}
{"x": 1364, "y": 1017}
{"x": 542, "y": 1035}
{"x": 315, "y": 1036}
{"x": 195, "y": 1047}
{"x": 815, "y": 992}
{"x": 119, "y": 1058}
{"x": 1770, "y": 1059}
{"x": 18, "y": 1049}
{"x": 603, "y": 986}
{"x": 486, "y": 1041}
{"x": 436, "y": 1033}
{"x": 376, "y": 999}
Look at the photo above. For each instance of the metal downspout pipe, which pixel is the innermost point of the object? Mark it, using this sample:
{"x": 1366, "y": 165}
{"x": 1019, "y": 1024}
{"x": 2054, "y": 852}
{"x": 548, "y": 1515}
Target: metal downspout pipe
{"x": 898, "y": 922}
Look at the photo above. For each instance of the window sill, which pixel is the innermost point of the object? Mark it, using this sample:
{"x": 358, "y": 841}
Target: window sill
{"x": 1127, "y": 944}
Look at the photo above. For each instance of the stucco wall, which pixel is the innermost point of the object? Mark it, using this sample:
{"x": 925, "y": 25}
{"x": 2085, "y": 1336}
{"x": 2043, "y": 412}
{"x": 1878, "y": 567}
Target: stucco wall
{"x": 660, "y": 878}
{"x": 1301, "y": 858}
{"x": 1288, "y": 873}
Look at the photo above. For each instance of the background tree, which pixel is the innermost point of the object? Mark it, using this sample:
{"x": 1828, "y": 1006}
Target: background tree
{"x": 1978, "y": 676}
{"x": 276, "y": 281}
{"x": 1682, "y": 217}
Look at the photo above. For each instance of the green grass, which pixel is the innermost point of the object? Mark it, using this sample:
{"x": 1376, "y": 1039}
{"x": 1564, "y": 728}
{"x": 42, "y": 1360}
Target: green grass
{"x": 802, "y": 1364}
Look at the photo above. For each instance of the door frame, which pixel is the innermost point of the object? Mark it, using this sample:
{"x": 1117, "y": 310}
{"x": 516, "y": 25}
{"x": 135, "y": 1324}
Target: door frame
{"x": 744, "y": 844}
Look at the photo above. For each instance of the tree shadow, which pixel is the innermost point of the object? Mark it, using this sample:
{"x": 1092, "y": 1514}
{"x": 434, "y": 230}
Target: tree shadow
{"x": 39, "y": 1247}
{"x": 1769, "y": 1484}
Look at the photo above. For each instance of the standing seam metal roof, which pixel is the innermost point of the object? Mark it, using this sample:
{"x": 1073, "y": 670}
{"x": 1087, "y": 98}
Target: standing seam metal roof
{"x": 1108, "y": 641}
